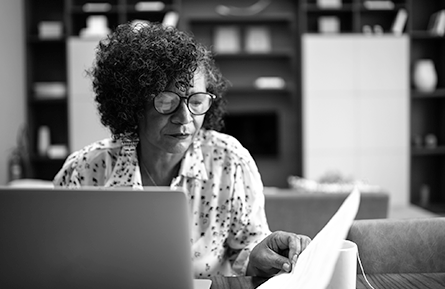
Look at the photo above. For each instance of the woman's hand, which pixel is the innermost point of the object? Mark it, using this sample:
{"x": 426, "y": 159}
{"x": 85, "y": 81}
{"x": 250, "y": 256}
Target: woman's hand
{"x": 278, "y": 251}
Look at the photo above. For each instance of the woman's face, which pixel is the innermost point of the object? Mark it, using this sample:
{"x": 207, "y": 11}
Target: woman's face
{"x": 172, "y": 133}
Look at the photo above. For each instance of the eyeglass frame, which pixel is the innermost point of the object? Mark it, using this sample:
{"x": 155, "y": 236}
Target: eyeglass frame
{"x": 186, "y": 98}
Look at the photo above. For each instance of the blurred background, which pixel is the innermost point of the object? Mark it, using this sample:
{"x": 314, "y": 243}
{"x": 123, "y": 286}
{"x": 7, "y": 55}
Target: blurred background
{"x": 323, "y": 91}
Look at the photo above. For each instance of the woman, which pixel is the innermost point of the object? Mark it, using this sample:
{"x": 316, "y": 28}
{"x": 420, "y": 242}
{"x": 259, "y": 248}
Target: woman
{"x": 160, "y": 94}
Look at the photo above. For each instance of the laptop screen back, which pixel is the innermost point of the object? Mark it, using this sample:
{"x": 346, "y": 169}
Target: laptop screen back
{"x": 90, "y": 238}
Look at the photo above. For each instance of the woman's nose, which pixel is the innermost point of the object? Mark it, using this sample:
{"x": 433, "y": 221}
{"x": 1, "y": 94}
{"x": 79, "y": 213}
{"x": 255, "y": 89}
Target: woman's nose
{"x": 182, "y": 115}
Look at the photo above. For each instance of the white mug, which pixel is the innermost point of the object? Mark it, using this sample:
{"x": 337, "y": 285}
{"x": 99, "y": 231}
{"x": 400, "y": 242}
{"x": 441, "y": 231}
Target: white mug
{"x": 345, "y": 271}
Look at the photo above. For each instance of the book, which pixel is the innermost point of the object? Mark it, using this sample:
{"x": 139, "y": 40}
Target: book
{"x": 399, "y": 22}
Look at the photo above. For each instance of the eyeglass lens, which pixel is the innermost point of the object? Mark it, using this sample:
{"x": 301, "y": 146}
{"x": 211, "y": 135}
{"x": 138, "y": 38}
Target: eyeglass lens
{"x": 167, "y": 102}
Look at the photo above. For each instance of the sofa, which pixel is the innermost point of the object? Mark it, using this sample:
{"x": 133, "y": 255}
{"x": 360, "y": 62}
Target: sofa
{"x": 400, "y": 246}
{"x": 308, "y": 212}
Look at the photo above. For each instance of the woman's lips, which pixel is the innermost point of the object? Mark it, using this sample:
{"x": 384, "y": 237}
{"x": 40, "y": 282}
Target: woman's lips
{"x": 180, "y": 135}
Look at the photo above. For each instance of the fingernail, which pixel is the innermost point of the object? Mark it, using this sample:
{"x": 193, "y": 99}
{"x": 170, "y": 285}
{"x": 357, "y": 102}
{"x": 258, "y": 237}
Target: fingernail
{"x": 286, "y": 267}
{"x": 294, "y": 259}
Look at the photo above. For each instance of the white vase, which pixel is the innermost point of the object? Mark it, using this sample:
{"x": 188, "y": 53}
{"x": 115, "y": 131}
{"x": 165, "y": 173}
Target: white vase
{"x": 425, "y": 75}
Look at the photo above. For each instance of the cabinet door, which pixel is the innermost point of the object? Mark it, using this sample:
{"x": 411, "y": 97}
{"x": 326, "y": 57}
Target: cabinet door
{"x": 84, "y": 122}
{"x": 356, "y": 106}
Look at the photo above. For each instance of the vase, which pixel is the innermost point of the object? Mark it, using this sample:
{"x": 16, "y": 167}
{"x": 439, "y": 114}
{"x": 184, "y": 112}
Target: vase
{"x": 425, "y": 75}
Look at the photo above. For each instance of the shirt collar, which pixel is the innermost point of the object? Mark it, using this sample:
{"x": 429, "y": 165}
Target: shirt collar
{"x": 193, "y": 163}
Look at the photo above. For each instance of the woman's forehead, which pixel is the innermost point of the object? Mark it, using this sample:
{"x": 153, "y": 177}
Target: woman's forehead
{"x": 197, "y": 83}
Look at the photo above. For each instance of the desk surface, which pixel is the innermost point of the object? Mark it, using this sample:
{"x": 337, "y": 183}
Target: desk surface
{"x": 380, "y": 281}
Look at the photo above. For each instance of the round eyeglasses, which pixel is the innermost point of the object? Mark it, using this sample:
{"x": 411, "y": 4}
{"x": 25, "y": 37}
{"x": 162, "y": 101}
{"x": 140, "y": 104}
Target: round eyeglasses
{"x": 198, "y": 103}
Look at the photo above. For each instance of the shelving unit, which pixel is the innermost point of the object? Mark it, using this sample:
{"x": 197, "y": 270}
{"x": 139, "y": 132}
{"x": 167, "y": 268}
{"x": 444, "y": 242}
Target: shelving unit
{"x": 45, "y": 63}
{"x": 427, "y": 111}
{"x": 46, "y": 59}
{"x": 287, "y": 21}
{"x": 266, "y": 121}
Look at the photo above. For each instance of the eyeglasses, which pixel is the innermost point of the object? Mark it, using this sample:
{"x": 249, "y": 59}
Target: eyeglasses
{"x": 198, "y": 103}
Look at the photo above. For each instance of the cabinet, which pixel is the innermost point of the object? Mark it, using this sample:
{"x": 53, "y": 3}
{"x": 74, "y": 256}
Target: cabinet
{"x": 265, "y": 119}
{"x": 355, "y": 108}
{"x": 51, "y": 97}
{"x": 427, "y": 168}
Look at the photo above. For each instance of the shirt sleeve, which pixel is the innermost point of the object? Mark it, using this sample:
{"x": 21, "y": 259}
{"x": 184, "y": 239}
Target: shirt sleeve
{"x": 68, "y": 176}
{"x": 82, "y": 168}
{"x": 248, "y": 218}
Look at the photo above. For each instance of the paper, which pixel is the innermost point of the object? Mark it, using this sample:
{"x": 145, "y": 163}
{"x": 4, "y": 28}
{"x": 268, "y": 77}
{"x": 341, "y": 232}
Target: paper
{"x": 316, "y": 264}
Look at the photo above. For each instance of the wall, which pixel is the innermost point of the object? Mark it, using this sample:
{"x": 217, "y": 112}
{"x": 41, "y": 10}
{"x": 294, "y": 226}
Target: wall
{"x": 82, "y": 111}
{"x": 12, "y": 79}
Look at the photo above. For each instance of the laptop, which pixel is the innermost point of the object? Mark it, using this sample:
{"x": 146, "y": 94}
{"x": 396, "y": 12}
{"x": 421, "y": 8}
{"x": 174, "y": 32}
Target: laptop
{"x": 95, "y": 238}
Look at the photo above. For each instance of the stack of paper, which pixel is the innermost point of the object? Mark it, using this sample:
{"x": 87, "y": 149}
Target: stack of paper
{"x": 316, "y": 264}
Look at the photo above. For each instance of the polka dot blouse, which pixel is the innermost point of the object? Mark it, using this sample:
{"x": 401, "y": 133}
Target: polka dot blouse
{"x": 223, "y": 186}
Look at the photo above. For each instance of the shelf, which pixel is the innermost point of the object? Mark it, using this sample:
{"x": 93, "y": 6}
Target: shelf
{"x": 49, "y": 101}
{"x": 259, "y": 19}
{"x": 116, "y": 9}
{"x": 314, "y": 8}
{"x": 34, "y": 39}
{"x": 380, "y": 10}
{"x": 438, "y": 151}
{"x": 79, "y": 10}
{"x": 253, "y": 90}
{"x": 425, "y": 35}
{"x": 132, "y": 9}
{"x": 246, "y": 55}
{"x": 437, "y": 94}
{"x": 39, "y": 159}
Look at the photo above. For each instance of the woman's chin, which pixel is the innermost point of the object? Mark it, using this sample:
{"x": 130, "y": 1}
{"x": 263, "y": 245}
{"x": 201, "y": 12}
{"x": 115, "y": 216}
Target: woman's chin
{"x": 178, "y": 145}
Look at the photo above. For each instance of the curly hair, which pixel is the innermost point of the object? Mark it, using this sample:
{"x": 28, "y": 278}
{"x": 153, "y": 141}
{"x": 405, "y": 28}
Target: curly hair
{"x": 135, "y": 63}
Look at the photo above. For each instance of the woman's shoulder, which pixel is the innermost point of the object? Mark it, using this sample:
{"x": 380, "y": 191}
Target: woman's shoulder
{"x": 106, "y": 148}
{"x": 91, "y": 160}
{"x": 213, "y": 140}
